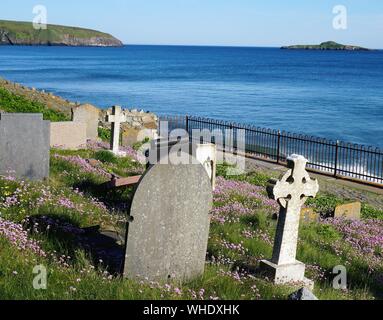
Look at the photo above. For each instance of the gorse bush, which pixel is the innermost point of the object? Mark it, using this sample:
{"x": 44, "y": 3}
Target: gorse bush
{"x": 13, "y": 103}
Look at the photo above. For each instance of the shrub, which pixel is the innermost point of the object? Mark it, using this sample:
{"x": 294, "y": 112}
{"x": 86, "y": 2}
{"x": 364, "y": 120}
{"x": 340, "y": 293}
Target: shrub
{"x": 325, "y": 204}
{"x": 104, "y": 134}
{"x": 105, "y": 156}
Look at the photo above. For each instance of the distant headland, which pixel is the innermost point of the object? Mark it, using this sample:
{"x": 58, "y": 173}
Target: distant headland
{"x": 23, "y": 33}
{"x": 329, "y": 45}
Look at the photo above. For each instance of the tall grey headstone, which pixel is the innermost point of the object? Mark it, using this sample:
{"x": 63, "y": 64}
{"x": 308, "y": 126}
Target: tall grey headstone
{"x": 169, "y": 229}
{"x": 24, "y": 145}
{"x": 291, "y": 192}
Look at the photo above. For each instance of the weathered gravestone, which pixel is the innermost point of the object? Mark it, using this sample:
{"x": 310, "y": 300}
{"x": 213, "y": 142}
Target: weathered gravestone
{"x": 88, "y": 114}
{"x": 291, "y": 192}
{"x": 24, "y": 145}
{"x": 349, "y": 211}
{"x": 116, "y": 117}
{"x": 68, "y": 135}
{"x": 169, "y": 229}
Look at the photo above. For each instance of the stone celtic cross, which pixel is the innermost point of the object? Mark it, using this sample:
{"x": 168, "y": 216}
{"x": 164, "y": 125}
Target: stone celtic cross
{"x": 291, "y": 192}
{"x": 116, "y": 118}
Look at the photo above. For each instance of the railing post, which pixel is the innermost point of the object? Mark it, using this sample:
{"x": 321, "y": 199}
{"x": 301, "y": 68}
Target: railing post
{"x": 336, "y": 158}
{"x": 279, "y": 146}
{"x": 187, "y": 125}
{"x": 232, "y": 137}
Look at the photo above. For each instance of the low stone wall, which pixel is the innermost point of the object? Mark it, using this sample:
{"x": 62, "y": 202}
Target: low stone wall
{"x": 68, "y": 135}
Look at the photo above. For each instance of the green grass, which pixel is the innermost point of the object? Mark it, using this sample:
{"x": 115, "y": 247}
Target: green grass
{"x": 13, "y": 103}
{"x": 325, "y": 204}
{"x": 71, "y": 196}
{"x": 105, "y": 156}
{"x": 104, "y": 134}
{"x": 369, "y": 212}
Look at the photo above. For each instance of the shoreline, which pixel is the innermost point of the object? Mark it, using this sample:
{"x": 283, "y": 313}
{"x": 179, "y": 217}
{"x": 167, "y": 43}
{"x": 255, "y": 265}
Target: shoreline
{"x": 329, "y": 149}
{"x": 63, "y": 105}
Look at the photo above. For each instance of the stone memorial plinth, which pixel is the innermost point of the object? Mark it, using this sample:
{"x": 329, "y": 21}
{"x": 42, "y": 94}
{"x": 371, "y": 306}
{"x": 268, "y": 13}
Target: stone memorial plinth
{"x": 169, "y": 229}
{"x": 291, "y": 192}
{"x": 24, "y": 146}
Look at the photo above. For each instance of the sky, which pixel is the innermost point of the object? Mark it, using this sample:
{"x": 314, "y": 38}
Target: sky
{"x": 270, "y": 23}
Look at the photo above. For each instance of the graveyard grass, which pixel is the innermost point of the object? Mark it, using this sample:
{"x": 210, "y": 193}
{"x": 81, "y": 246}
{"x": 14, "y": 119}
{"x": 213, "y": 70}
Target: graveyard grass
{"x": 40, "y": 222}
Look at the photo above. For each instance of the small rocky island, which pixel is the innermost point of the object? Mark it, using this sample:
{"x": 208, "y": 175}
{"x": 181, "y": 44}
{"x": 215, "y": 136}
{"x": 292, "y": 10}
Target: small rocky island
{"x": 329, "y": 45}
{"x": 23, "y": 33}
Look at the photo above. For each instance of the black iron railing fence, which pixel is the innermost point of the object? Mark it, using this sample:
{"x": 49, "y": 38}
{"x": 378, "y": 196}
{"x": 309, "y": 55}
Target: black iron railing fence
{"x": 336, "y": 158}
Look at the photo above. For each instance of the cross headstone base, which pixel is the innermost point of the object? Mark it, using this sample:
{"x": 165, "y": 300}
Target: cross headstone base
{"x": 293, "y": 273}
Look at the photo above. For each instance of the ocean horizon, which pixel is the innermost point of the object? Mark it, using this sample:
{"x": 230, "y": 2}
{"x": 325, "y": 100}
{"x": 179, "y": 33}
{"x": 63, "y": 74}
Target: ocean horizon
{"x": 332, "y": 94}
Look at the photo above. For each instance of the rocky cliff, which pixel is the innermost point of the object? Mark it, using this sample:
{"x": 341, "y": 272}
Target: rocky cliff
{"x": 23, "y": 33}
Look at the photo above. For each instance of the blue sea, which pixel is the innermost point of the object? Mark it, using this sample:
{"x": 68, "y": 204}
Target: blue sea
{"x": 336, "y": 95}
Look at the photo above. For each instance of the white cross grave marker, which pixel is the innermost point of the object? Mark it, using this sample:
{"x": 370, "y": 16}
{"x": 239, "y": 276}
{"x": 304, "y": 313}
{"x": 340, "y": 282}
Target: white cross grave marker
{"x": 291, "y": 192}
{"x": 116, "y": 118}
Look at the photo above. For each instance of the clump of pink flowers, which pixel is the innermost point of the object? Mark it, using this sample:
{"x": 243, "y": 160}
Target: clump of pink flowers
{"x": 226, "y": 189}
{"x": 18, "y": 237}
{"x": 234, "y": 199}
{"x": 238, "y": 247}
{"x": 364, "y": 236}
{"x": 84, "y": 165}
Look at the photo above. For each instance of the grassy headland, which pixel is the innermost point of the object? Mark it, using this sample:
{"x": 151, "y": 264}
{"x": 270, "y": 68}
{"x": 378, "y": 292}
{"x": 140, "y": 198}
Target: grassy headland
{"x": 23, "y": 33}
{"x": 329, "y": 45}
